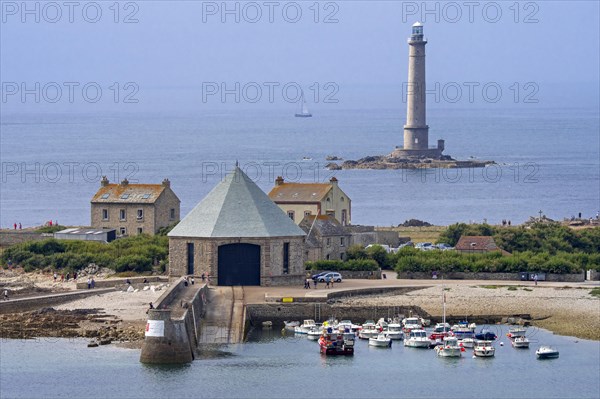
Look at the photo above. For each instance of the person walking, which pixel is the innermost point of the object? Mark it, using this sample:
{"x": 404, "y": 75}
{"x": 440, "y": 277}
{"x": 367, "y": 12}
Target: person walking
{"x": 20, "y": 227}
{"x": 89, "y": 283}
{"x": 93, "y": 282}
{"x": 315, "y": 282}
{"x": 192, "y": 280}
{"x": 5, "y": 294}
{"x": 327, "y": 281}
{"x": 535, "y": 279}
{"x": 55, "y": 276}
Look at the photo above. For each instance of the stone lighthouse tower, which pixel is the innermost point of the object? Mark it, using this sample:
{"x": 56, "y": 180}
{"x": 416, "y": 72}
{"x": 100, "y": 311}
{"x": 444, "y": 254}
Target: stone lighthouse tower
{"x": 416, "y": 131}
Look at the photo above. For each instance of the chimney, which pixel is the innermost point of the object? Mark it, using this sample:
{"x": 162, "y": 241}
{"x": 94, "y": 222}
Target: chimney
{"x": 104, "y": 182}
{"x": 125, "y": 182}
{"x": 279, "y": 181}
{"x": 166, "y": 183}
{"x": 333, "y": 180}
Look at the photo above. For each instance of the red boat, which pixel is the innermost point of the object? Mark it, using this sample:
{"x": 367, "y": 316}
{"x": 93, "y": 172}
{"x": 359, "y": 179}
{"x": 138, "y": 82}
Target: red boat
{"x": 336, "y": 343}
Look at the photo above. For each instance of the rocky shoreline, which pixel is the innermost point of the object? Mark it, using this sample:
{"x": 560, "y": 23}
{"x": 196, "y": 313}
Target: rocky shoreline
{"x": 388, "y": 162}
{"x": 78, "y": 323}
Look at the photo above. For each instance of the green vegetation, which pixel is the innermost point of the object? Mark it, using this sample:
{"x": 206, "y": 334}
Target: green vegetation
{"x": 139, "y": 253}
{"x": 527, "y": 289}
{"x": 51, "y": 229}
{"x": 512, "y": 288}
{"x": 542, "y": 247}
{"x": 595, "y": 292}
{"x": 489, "y": 287}
{"x": 337, "y": 265}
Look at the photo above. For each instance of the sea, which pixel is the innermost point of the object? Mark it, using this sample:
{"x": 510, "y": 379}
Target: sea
{"x": 547, "y": 160}
{"x": 274, "y": 364}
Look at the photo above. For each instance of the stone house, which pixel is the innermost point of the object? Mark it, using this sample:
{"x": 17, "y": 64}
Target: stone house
{"x": 298, "y": 200}
{"x": 326, "y": 238}
{"x": 478, "y": 244}
{"x": 133, "y": 209}
{"x": 238, "y": 236}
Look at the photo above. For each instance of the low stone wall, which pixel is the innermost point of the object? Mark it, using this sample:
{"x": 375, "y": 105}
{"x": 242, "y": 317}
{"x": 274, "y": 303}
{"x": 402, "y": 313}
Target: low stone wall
{"x": 287, "y": 280}
{"x": 573, "y": 278}
{"x": 27, "y": 304}
{"x": 354, "y": 274}
{"x": 117, "y": 282}
{"x": 12, "y": 237}
{"x": 593, "y": 275}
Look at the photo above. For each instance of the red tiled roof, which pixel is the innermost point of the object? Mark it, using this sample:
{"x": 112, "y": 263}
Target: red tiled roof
{"x": 299, "y": 192}
{"x": 136, "y": 193}
{"x": 476, "y": 243}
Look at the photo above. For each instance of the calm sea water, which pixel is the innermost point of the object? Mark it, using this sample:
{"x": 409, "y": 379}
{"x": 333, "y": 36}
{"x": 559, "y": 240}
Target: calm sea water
{"x": 548, "y": 159}
{"x": 272, "y": 365}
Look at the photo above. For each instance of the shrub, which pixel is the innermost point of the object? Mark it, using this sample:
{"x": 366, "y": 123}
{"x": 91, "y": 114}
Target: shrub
{"x": 136, "y": 263}
{"x": 337, "y": 265}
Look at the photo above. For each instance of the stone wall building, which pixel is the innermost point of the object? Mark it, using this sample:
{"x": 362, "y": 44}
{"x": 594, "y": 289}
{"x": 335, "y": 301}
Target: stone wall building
{"x": 238, "y": 236}
{"x": 298, "y": 200}
{"x": 326, "y": 238}
{"x": 134, "y": 209}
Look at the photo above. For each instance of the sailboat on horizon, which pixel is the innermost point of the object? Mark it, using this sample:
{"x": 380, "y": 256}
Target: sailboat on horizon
{"x": 304, "y": 113}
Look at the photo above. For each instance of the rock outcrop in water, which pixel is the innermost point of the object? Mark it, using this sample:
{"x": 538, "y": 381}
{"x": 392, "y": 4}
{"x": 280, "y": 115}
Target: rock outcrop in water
{"x": 391, "y": 162}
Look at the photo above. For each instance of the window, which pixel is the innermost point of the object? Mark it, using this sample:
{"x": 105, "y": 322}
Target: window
{"x": 140, "y": 214}
{"x": 291, "y": 214}
{"x": 342, "y": 255}
{"x": 307, "y": 213}
{"x": 145, "y": 196}
{"x": 123, "y": 231}
{"x": 172, "y": 214}
{"x": 416, "y": 141}
{"x": 104, "y": 214}
{"x": 105, "y": 196}
{"x": 327, "y": 257}
{"x": 342, "y": 199}
{"x": 344, "y": 217}
{"x": 190, "y": 258}
{"x": 122, "y": 214}
{"x": 328, "y": 241}
{"x": 286, "y": 258}
{"x": 139, "y": 230}
{"x": 342, "y": 241}
{"x": 124, "y": 196}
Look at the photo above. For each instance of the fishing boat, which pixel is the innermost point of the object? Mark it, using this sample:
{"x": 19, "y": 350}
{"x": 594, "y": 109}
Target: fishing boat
{"x": 381, "y": 340}
{"x": 417, "y": 339}
{"x": 484, "y": 349}
{"x": 520, "y": 342}
{"x": 306, "y": 326}
{"x": 546, "y": 352}
{"x": 463, "y": 330}
{"x": 467, "y": 342}
{"x": 303, "y": 108}
{"x": 332, "y": 342}
{"x": 394, "y": 331}
{"x": 449, "y": 348}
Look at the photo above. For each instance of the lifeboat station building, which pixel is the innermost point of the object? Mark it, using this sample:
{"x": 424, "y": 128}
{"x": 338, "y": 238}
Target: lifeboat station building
{"x": 238, "y": 236}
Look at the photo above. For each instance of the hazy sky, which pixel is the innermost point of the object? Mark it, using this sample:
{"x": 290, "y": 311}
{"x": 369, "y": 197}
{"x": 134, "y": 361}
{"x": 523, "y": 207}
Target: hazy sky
{"x": 177, "y": 51}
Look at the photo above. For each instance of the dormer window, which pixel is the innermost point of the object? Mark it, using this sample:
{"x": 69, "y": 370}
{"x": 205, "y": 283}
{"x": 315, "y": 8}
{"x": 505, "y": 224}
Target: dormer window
{"x": 105, "y": 196}
{"x": 124, "y": 196}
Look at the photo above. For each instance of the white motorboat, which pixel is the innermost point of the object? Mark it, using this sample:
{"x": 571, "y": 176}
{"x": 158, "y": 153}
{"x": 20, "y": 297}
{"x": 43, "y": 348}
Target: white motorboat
{"x": 394, "y": 331}
{"x": 314, "y": 333}
{"x": 417, "y": 339}
{"x": 515, "y": 332}
{"x": 411, "y": 323}
{"x": 520, "y": 342}
{"x": 347, "y": 324}
{"x": 546, "y": 352}
{"x": 380, "y": 340}
{"x": 467, "y": 342}
{"x": 367, "y": 333}
{"x": 484, "y": 349}
{"x": 449, "y": 348}
{"x": 291, "y": 324}
{"x": 306, "y": 326}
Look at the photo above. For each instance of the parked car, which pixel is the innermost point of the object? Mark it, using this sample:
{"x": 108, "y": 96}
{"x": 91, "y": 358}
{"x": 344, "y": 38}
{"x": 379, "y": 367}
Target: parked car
{"x": 333, "y": 275}
{"x": 316, "y": 276}
{"x": 444, "y": 247}
{"x": 424, "y": 246}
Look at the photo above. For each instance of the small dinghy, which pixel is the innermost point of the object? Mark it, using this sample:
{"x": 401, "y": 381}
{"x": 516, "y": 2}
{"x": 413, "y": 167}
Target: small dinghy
{"x": 546, "y": 352}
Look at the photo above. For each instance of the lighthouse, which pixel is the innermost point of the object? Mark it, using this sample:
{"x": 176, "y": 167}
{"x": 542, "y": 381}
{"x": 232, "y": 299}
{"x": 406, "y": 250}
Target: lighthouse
{"x": 416, "y": 130}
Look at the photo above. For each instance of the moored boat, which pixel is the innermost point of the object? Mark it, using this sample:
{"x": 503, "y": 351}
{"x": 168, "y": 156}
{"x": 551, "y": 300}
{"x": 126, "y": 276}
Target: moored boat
{"x": 449, "y": 348}
{"x": 546, "y": 352}
{"x": 394, "y": 331}
{"x": 381, "y": 340}
{"x": 485, "y": 335}
{"x": 305, "y": 327}
{"x": 411, "y": 323}
{"x": 332, "y": 342}
{"x": 515, "y": 332}
{"x": 520, "y": 342}
{"x": 467, "y": 342}
{"x": 484, "y": 349}
{"x": 417, "y": 339}
{"x": 291, "y": 324}
{"x": 314, "y": 333}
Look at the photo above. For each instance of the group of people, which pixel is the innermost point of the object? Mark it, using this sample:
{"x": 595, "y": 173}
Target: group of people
{"x": 315, "y": 280}
{"x": 91, "y": 283}
{"x": 64, "y": 277}
{"x": 505, "y": 222}
{"x": 17, "y": 224}
{"x": 188, "y": 280}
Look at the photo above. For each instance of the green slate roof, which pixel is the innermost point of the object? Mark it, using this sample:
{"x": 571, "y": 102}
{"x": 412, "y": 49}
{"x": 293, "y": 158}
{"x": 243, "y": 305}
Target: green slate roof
{"x": 236, "y": 207}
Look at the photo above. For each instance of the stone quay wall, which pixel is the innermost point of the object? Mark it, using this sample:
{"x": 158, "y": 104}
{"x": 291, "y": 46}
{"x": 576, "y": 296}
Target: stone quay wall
{"x": 12, "y": 237}
{"x": 178, "y": 340}
{"x": 122, "y": 282}
{"x": 572, "y": 278}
